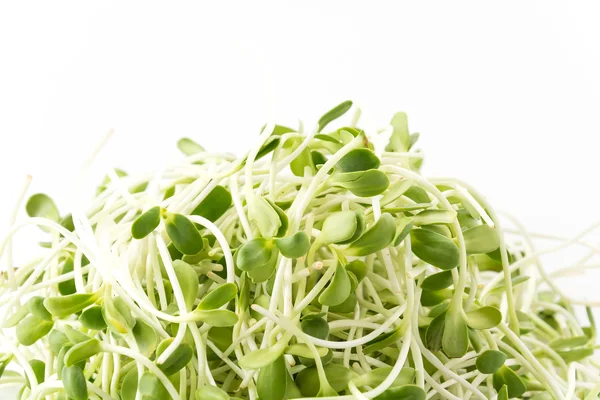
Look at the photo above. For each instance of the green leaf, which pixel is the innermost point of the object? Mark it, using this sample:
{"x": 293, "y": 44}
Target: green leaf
{"x": 214, "y": 205}
{"x": 360, "y": 227}
{"x": 264, "y": 272}
{"x": 39, "y": 370}
{"x": 67, "y": 287}
{"x": 568, "y": 343}
{"x": 438, "y": 281}
{"x": 358, "y": 160}
{"x": 218, "y": 297}
{"x": 211, "y": 393}
{"x": 42, "y": 206}
{"x": 376, "y": 238}
{"x": 400, "y": 139}
{"x": 74, "y": 335}
{"x": 82, "y": 351}
{"x": 31, "y": 329}
{"x": 183, "y": 233}
{"x": 338, "y": 227}
{"x": 254, "y": 253}
{"x": 337, "y": 375}
{"x": 75, "y": 383}
{"x": 315, "y": 327}
{"x": 117, "y": 315}
{"x": 146, "y": 223}
{"x": 263, "y": 215}
{"x": 506, "y": 376}
{"x": 177, "y": 360}
{"x": 92, "y": 318}
{"x": 36, "y": 307}
{"x": 299, "y": 164}
{"x": 405, "y": 392}
{"x": 434, "y": 249}
{"x": 302, "y": 350}
{"x": 56, "y": 340}
{"x": 270, "y": 144}
{"x": 294, "y": 246}
{"x": 430, "y": 298}
{"x": 346, "y": 307}
{"x": 435, "y": 333}
{"x": 500, "y": 288}
{"x": 455, "y": 340}
{"x": 384, "y": 340}
{"x": 261, "y": 358}
{"x": 376, "y": 377}
{"x": 490, "y": 361}
{"x": 334, "y": 114}
{"x": 358, "y": 268}
{"x": 151, "y": 387}
{"x": 338, "y": 289}
{"x": 188, "y": 281}
{"x": 418, "y": 195}
{"x": 189, "y": 147}
{"x": 145, "y": 337}
{"x": 481, "y": 239}
{"x": 503, "y": 393}
{"x": 484, "y": 318}
{"x": 129, "y": 385}
{"x": 271, "y": 382}
{"x": 404, "y": 226}
{"x": 578, "y": 354}
{"x": 395, "y": 190}
{"x": 431, "y": 217}
{"x": 282, "y": 218}
{"x": 317, "y": 158}
{"x": 362, "y": 183}
{"x": 218, "y": 318}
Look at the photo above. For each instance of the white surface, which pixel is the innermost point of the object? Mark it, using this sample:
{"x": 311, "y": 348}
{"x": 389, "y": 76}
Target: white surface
{"x": 506, "y": 95}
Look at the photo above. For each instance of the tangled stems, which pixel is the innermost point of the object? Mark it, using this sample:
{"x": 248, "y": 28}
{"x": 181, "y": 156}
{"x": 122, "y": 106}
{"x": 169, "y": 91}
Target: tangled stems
{"x": 318, "y": 265}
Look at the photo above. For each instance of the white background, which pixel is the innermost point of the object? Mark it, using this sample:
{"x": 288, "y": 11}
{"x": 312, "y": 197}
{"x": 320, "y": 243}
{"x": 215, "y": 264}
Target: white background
{"x": 506, "y": 94}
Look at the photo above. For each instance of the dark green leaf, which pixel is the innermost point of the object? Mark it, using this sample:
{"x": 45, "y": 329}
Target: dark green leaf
{"x": 92, "y": 318}
{"x": 435, "y": 332}
{"x": 376, "y": 238}
{"x": 271, "y": 382}
{"x": 75, "y": 383}
{"x": 508, "y": 377}
{"x": 183, "y": 233}
{"x": 177, "y": 360}
{"x": 294, "y": 246}
{"x": 490, "y": 361}
{"x": 316, "y": 327}
{"x": 455, "y": 340}
{"x": 218, "y": 297}
{"x": 39, "y": 368}
{"x": 434, "y": 249}
{"x": 146, "y": 223}
{"x": 357, "y": 160}
{"x": 438, "y": 281}
{"x": 214, "y": 205}
{"x": 338, "y": 289}
{"x": 405, "y": 392}
{"x": 334, "y": 114}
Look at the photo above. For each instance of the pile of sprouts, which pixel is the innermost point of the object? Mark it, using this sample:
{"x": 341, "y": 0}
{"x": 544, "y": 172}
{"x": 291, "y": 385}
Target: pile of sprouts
{"x": 321, "y": 264}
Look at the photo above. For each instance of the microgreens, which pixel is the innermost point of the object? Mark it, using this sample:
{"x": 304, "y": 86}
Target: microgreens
{"x": 319, "y": 264}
